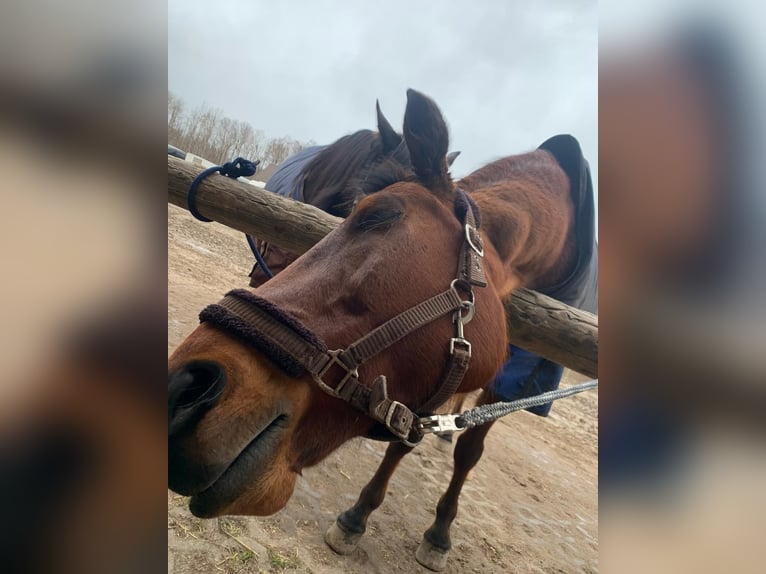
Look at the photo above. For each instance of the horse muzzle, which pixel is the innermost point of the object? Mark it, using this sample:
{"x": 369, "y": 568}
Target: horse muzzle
{"x": 193, "y": 390}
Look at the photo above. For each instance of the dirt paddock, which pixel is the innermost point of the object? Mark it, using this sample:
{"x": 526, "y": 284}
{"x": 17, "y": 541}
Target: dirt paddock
{"x": 530, "y": 505}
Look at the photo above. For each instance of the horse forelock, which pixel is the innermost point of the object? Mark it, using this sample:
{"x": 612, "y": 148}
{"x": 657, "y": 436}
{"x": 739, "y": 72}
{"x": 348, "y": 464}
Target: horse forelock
{"x": 354, "y": 166}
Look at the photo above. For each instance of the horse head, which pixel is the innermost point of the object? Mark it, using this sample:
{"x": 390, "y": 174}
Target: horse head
{"x": 243, "y": 425}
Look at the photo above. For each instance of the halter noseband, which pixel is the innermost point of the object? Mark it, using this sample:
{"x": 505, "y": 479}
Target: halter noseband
{"x": 295, "y": 348}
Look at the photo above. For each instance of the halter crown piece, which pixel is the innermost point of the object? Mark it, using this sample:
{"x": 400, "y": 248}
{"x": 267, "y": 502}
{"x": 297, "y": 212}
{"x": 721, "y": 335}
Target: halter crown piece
{"x": 296, "y": 349}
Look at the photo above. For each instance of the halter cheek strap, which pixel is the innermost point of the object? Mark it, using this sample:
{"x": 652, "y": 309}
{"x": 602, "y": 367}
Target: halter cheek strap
{"x": 296, "y": 349}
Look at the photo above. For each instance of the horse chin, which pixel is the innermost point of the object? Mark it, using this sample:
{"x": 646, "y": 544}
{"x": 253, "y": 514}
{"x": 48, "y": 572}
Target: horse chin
{"x": 266, "y": 499}
{"x": 256, "y": 482}
{"x": 268, "y": 495}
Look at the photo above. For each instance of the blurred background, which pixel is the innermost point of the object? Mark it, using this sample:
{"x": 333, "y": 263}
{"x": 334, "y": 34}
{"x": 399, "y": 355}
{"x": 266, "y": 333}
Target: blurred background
{"x": 683, "y": 321}
{"x": 681, "y": 212}
{"x": 82, "y": 243}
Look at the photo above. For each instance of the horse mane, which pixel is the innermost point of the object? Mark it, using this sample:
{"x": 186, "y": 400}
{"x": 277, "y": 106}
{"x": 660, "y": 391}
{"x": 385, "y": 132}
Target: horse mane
{"x": 352, "y": 167}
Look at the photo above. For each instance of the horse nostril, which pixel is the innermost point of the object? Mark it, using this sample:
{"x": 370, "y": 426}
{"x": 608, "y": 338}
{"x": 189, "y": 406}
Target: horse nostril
{"x": 193, "y": 389}
{"x": 196, "y": 382}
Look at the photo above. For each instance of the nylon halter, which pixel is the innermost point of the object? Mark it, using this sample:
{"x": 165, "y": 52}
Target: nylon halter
{"x": 336, "y": 372}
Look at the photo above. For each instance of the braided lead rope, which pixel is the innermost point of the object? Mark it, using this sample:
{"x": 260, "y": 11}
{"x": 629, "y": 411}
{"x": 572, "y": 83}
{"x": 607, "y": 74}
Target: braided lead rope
{"x": 486, "y": 413}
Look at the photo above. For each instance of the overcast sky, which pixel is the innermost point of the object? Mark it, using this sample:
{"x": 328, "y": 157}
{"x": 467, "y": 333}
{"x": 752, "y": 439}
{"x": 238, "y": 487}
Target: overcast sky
{"x": 506, "y": 75}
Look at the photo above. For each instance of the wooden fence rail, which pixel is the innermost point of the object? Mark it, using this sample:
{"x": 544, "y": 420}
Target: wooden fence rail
{"x": 536, "y": 322}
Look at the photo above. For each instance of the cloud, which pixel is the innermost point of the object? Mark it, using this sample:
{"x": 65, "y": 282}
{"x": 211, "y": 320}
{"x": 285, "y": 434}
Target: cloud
{"x": 506, "y": 76}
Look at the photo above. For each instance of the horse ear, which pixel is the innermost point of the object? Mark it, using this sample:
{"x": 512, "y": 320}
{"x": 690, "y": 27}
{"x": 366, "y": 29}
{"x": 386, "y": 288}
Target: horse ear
{"x": 427, "y": 139}
{"x": 451, "y": 157}
{"x": 388, "y": 135}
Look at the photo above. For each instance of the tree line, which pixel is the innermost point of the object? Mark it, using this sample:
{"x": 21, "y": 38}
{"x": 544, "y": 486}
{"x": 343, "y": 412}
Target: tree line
{"x": 206, "y": 132}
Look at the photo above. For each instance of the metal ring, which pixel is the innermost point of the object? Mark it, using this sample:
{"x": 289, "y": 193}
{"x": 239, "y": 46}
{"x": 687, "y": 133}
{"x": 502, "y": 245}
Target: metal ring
{"x": 471, "y": 311}
{"x": 411, "y": 444}
{"x": 467, "y": 287}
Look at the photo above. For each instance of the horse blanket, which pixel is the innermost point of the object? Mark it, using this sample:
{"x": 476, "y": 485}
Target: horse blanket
{"x": 287, "y": 179}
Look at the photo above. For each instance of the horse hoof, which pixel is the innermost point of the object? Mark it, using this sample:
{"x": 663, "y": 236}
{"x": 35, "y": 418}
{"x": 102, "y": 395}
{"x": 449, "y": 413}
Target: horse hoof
{"x": 431, "y": 557}
{"x": 341, "y": 541}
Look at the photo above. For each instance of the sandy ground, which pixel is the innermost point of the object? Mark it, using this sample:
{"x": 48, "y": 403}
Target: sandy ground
{"x": 530, "y": 505}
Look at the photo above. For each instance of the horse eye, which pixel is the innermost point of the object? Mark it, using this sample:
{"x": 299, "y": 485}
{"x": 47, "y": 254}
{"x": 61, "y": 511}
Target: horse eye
{"x": 377, "y": 218}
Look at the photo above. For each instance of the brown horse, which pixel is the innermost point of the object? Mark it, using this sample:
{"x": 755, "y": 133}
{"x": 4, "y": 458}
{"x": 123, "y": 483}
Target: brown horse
{"x": 242, "y": 429}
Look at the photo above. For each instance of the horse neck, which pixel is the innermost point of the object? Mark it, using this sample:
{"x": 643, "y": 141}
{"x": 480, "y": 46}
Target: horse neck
{"x": 528, "y": 217}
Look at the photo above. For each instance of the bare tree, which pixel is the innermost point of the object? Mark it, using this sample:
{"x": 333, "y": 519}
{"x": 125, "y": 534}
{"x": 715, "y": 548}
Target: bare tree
{"x": 175, "y": 117}
{"x": 279, "y": 149}
{"x": 206, "y": 132}
{"x": 252, "y": 142}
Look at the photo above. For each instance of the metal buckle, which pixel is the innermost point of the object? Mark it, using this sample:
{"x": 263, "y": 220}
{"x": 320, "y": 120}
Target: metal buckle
{"x": 459, "y": 341}
{"x": 390, "y": 415}
{"x": 479, "y": 250}
{"x": 438, "y": 423}
{"x": 334, "y": 359}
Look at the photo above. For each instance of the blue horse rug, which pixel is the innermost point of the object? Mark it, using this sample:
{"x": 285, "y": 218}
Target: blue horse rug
{"x": 287, "y": 179}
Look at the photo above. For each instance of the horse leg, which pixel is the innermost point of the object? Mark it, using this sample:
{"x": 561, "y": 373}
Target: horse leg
{"x": 345, "y": 533}
{"x": 435, "y": 546}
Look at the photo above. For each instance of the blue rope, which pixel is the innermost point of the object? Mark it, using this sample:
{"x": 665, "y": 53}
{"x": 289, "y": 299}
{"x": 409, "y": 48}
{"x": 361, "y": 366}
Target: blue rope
{"x": 259, "y": 257}
{"x": 240, "y": 167}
